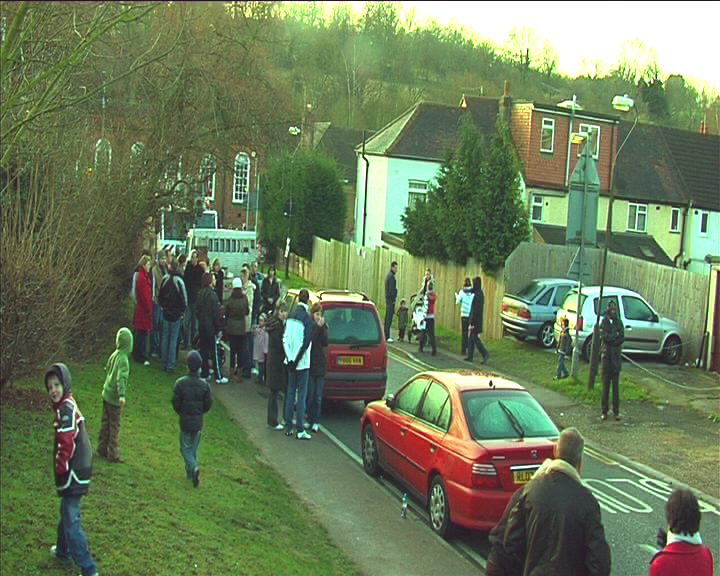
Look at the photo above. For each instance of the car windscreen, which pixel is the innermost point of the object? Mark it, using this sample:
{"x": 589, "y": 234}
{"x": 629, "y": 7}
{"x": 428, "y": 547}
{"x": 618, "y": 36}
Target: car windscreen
{"x": 496, "y": 414}
{"x": 351, "y": 325}
{"x": 530, "y": 292}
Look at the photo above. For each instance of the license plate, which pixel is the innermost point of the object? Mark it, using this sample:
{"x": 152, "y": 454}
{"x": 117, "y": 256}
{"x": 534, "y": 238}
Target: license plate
{"x": 523, "y": 476}
{"x": 351, "y": 360}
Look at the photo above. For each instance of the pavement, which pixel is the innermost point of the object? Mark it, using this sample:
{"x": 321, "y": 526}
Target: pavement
{"x": 363, "y": 518}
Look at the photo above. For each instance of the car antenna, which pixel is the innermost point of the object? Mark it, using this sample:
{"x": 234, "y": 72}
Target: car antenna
{"x": 490, "y": 383}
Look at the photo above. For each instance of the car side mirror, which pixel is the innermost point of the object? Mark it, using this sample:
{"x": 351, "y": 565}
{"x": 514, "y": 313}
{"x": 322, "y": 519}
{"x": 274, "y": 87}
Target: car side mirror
{"x": 390, "y": 401}
{"x": 654, "y": 318}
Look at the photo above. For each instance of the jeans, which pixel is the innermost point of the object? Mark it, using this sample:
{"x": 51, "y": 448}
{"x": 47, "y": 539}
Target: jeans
{"x": 109, "y": 431}
{"x": 191, "y": 325}
{"x": 389, "y": 313}
{"x": 261, "y": 371}
{"x": 237, "y": 345}
{"x": 272, "y": 408}
{"x": 561, "y": 371}
{"x": 71, "y": 540}
{"x": 168, "y": 343}
{"x": 157, "y": 319}
{"x": 314, "y": 402}
{"x": 208, "y": 351}
{"x": 297, "y": 385}
{"x": 465, "y": 321}
{"x": 189, "y": 442}
{"x": 476, "y": 342}
{"x": 611, "y": 378}
{"x": 429, "y": 334}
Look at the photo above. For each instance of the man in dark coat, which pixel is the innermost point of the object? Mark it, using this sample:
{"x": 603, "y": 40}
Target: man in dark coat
{"x": 276, "y": 371}
{"x": 208, "y": 317}
{"x": 556, "y": 527}
{"x": 613, "y": 336}
{"x": 193, "y": 283}
{"x": 476, "y": 322}
{"x": 191, "y": 399}
{"x": 390, "y": 297}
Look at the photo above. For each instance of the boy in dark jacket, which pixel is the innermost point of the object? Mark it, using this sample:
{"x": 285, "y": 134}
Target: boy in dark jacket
{"x": 564, "y": 349}
{"x": 318, "y": 367}
{"x": 191, "y": 399}
{"x": 73, "y": 468}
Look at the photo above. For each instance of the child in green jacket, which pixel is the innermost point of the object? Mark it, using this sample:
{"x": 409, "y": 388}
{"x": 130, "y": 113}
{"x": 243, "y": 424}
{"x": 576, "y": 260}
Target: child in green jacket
{"x": 113, "y": 394}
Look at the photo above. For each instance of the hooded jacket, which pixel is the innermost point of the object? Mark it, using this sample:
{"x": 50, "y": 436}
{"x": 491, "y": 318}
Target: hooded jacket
{"x": 143, "y": 296}
{"x": 72, "y": 449}
{"x": 191, "y": 399}
{"x": 117, "y": 369}
{"x": 297, "y": 339}
{"x": 464, "y": 297}
{"x": 275, "y": 366}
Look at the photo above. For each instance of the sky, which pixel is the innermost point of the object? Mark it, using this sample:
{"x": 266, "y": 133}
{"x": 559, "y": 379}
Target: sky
{"x": 684, "y": 34}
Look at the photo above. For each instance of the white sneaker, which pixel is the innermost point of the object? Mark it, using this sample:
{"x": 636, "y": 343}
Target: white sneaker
{"x": 315, "y": 427}
{"x": 146, "y": 363}
{"x": 278, "y": 427}
{"x": 303, "y": 436}
{"x": 306, "y": 425}
{"x": 389, "y": 340}
{"x": 222, "y": 380}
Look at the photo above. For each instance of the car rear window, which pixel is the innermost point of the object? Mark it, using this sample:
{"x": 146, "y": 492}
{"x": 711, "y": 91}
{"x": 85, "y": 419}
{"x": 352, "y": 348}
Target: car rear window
{"x": 530, "y": 291}
{"x": 351, "y": 324}
{"x": 494, "y": 414}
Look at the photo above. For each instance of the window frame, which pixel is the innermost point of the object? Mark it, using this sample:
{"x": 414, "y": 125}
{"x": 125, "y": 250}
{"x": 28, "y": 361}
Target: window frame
{"x": 548, "y": 124}
{"x": 588, "y": 129}
{"x": 674, "y": 219}
{"x": 417, "y": 189}
{"x": 639, "y": 208}
{"x": 534, "y": 204}
{"x": 241, "y": 182}
{"x": 704, "y": 223}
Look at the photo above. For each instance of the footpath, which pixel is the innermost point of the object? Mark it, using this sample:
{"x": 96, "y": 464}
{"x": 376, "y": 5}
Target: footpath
{"x": 675, "y": 438}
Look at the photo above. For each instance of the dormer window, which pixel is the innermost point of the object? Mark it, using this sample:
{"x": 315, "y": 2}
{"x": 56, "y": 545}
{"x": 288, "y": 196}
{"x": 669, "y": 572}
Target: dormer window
{"x": 547, "y": 137}
{"x": 594, "y": 135}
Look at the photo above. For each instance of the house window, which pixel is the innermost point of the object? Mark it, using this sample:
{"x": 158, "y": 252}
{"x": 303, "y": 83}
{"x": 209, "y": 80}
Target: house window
{"x": 417, "y": 192}
{"x": 637, "y": 217}
{"x": 208, "y": 170}
{"x": 547, "y": 138}
{"x": 675, "y": 220}
{"x": 704, "y": 219}
{"x": 241, "y": 178}
{"x": 594, "y": 136}
{"x": 536, "y": 208}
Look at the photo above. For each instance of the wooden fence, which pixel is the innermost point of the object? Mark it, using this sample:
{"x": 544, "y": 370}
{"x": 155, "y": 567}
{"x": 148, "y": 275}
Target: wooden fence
{"x": 675, "y": 293}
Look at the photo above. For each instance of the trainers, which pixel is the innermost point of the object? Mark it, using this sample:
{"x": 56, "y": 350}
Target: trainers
{"x": 315, "y": 427}
{"x": 289, "y": 433}
{"x": 146, "y": 363}
{"x": 616, "y": 416}
{"x": 196, "y": 477}
{"x": 306, "y": 425}
{"x": 303, "y": 436}
{"x": 389, "y": 340}
{"x": 222, "y": 380}
{"x": 603, "y": 416}
{"x": 278, "y": 427}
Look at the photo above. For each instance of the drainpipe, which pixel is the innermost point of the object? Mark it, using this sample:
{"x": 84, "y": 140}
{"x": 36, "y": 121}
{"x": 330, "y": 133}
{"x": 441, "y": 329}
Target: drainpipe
{"x": 570, "y": 130}
{"x": 682, "y": 235}
{"x": 367, "y": 171}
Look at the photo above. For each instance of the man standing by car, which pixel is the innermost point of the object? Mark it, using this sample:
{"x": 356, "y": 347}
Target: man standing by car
{"x": 297, "y": 342}
{"x": 556, "y": 526}
{"x": 613, "y": 336}
{"x": 476, "y": 321}
{"x": 390, "y": 297}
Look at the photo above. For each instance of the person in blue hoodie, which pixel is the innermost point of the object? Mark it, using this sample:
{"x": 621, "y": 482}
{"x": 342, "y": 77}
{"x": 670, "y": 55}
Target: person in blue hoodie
{"x": 73, "y": 469}
{"x": 297, "y": 342}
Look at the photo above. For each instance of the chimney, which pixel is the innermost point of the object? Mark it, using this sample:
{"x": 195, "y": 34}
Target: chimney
{"x": 506, "y": 104}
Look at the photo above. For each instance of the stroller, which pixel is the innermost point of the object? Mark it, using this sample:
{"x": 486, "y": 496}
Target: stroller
{"x": 418, "y": 308}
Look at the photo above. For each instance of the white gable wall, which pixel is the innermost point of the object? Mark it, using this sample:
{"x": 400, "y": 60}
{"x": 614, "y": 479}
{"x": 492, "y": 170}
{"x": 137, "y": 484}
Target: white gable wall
{"x": 699, "y": 245}
{"x": 387, "y": 194}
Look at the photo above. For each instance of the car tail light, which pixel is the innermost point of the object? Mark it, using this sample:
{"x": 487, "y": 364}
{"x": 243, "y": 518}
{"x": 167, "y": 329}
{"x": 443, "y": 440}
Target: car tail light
{"x": 580, "y": 323}
{"x": 485, "y": 476}
{"x": 504, "y": 307}
{"x": 524, "y": 313}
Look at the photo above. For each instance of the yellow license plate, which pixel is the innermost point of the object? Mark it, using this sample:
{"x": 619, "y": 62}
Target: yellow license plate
{"x": 350, "y": 360}
{"x": 523, "y": 476}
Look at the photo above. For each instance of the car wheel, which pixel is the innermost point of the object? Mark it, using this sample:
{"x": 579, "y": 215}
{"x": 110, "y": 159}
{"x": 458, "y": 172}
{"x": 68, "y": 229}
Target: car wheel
{"x": 672, "y": 350}
{"x": 546, "y": 336}
{"x": 586, "y": 351}
{"x": 369, "y": 451}
{"x": 439, "y": 508}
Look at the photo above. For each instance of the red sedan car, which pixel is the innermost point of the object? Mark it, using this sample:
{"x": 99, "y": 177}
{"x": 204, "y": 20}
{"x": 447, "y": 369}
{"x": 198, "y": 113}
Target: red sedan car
{"x": 461, "y": 441}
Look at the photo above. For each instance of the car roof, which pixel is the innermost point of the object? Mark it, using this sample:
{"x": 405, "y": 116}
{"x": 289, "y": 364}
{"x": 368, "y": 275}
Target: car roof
{"x": 468, "y": 379}
{"x": 554, "y": 280}
{"x": 593, "y": 290}
{"x": 339, "y": 296}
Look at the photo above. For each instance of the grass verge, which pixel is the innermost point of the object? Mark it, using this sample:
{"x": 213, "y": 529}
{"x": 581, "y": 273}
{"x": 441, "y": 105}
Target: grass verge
{"x": 142, "y": 517}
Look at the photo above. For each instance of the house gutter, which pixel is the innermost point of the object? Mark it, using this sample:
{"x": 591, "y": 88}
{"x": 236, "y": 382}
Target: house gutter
{"x": 367, "y": 171}
{"x": 682, "y": 236}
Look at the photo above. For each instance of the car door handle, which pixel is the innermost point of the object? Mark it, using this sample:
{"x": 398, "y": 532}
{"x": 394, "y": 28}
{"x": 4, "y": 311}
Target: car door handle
{"x": 433, "y": 447}
{"x": 403, "y": 431}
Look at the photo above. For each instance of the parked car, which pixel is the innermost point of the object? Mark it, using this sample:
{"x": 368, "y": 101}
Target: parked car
{"x": 531, "y": 312}
{"x": 461, "y": 441}
{"x": 646, "y": 332}
{"x": 357, "y": 351}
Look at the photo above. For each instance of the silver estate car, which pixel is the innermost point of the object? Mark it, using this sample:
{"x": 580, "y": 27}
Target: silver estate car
{"x": 646, "y": 332}
{"x": 531, "y": 312}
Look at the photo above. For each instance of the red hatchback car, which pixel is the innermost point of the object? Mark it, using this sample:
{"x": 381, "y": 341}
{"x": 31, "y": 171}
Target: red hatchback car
{"x": 460, "y": 441}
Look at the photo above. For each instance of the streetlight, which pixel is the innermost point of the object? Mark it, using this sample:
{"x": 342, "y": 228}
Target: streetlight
{"x": 622, "y": 104}
{"x": 293, "y": 131}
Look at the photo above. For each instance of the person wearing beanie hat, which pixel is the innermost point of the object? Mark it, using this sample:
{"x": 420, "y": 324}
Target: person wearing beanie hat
{"x": 117, "y": 371}
{"x": 73, "y": 469}
{"x": 191, "y": 399}
{"x": 237, "y": 309}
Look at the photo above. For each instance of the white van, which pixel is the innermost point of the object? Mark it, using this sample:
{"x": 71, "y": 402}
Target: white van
{"x": 233, "y": 247}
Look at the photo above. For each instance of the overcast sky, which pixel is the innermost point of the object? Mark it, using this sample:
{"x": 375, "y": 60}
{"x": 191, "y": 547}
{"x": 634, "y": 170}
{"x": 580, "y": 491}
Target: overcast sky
{"x": 684, "y": 34}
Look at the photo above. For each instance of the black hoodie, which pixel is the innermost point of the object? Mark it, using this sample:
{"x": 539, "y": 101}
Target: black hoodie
{"x": 72, "y": 450}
